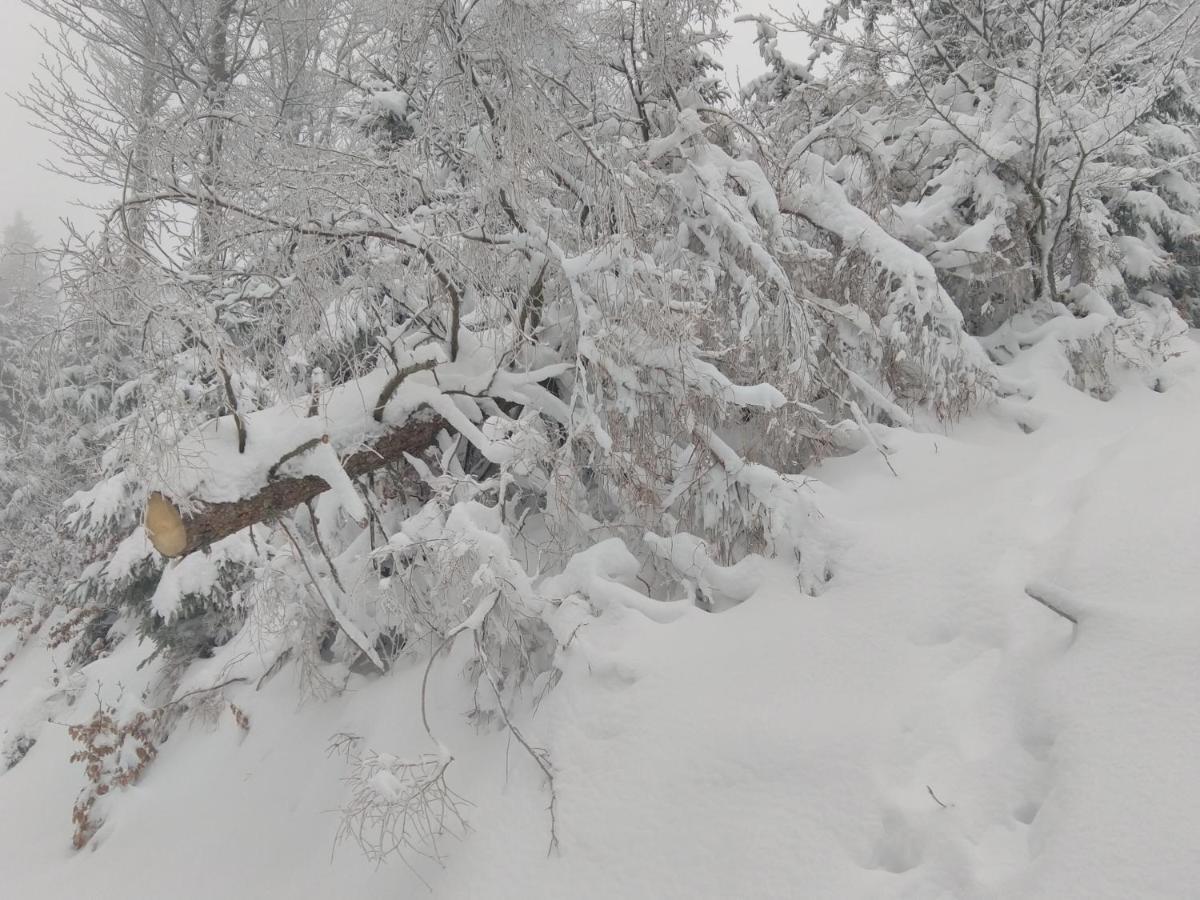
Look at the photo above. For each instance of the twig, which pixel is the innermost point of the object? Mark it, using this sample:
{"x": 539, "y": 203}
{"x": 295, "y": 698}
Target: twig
{"x": 538, "y": 756}
{"x": 316, "y": 527}
{"x": 425, "y": 682}
{"x": 293, "y": 453}
{"x": 1052, "y": 598}
{"x": 339, "y": 619}
{"x": 274, "y": 668}
{"x": 231, "y": 398}
{"x": 207, "y": 690}
{"x": 394, "y": 383}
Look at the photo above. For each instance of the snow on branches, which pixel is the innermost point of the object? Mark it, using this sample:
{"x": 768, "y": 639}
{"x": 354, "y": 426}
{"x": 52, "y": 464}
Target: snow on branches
{"x": 500, "y": 324}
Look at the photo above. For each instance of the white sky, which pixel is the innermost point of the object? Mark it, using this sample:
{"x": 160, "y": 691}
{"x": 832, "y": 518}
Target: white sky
{"x": 741, "y": 56}
{"x": 45, "y": 198}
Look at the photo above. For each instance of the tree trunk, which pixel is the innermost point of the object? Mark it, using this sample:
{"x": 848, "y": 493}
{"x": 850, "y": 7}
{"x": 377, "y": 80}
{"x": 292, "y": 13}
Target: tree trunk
{"x": 176, "y": 534}
{"x": 217, "y": 86}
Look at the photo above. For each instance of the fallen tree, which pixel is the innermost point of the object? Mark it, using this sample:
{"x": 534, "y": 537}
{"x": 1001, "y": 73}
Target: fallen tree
{"x": 175, "y": 533}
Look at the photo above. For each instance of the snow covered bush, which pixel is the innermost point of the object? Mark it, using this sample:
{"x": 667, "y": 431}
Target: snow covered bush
{"x": 1038, "y": 156}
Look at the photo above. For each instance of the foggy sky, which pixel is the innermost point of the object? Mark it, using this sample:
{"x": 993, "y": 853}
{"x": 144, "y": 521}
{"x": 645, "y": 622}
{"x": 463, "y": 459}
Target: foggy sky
{"x": 45, "y": 198}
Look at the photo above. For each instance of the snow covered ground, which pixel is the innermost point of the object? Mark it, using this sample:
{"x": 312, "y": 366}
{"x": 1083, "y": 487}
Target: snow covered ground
{"x": 924, "y": 729}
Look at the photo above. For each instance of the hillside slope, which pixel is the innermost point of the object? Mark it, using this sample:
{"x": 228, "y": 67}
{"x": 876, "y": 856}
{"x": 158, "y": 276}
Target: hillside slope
{"x": 923, "y": 729}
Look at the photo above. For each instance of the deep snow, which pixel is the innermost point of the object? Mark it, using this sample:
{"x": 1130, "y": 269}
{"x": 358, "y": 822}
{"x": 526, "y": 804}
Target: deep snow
{"x": 923, "y": 729}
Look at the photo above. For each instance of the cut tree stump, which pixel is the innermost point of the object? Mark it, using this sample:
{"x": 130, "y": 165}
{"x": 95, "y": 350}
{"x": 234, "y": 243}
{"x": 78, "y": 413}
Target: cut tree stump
{"x": 175, "y": 534}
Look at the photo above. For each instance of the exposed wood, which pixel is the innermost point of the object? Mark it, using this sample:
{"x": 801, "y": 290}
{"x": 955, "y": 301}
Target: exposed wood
{"x": 176, "y": 534}
{"x": 165, "y": 526}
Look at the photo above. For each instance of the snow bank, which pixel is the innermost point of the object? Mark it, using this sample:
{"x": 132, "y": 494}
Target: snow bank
{"x": 922, "y": 729}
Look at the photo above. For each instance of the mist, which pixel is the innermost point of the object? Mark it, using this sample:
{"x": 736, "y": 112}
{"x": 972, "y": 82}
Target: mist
{"x": 28, "y": 155}
{"x": 25, "y": 184}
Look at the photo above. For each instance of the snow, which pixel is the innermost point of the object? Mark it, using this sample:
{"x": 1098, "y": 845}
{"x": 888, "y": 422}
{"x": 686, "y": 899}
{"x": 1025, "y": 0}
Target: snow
{"x": 598, "y": 572}
{"x": 922, "y": 728}
{"x": 208, "y": 466}
{"x": 197, "y": 574}
{"x": 1141, "y": 258}
{"x": 394, "y": 102}
{"x": 102, "y": 505}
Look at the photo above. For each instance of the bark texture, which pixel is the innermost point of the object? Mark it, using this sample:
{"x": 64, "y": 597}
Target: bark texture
{"x": 176, "y": 534}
